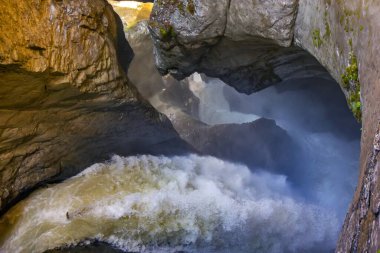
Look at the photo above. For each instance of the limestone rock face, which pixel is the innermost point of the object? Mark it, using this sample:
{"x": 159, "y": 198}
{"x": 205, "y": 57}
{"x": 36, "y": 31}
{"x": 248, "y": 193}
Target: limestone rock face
{"x": 198, "y": 36}
{"x": 267, "y": 19}
{"x": 65, "y": 101}
{"x": 254, "y": 64}
{"x": 343, "y": 36}
{"x": 184, "y": 30}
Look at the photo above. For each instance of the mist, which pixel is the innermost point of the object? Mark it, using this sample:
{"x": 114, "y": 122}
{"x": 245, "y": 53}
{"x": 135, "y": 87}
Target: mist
{"x": 314, "y": 113}
{"x": 317, "y": 153}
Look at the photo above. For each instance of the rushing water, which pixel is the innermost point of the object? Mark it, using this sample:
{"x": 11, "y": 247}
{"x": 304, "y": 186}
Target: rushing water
{"x": 314, "y": 113}
{"x": 160, "y": 204}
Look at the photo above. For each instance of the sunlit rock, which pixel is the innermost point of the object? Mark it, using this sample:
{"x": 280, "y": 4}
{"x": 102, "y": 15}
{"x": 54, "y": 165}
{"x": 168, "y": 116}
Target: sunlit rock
{"x": 65, "y": 100}
{"x": 132, "y": 12}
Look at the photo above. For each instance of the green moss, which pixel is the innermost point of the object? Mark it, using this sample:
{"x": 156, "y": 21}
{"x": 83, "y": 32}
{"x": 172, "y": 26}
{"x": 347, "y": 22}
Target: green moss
{"x": 347, "y": 12}
{"x": 347, "y": 26}
{"x": 350, "y": 81}
{"x": 191, "y": 7}
{"x": 159, "y": 2}
{"x": 317, "y": 40}
{"x": 341, "y": 19}
{"x": 355, "y": 104}
{"x": 317, "y": 37}
{"x": 167, "y": 32}
{"x": 350, "y": 18}
{"x": 350, "y": 75}
{"x": 181, "y": 7}
{"x": 327, "y": 26}
{"x": 350, "y": 43}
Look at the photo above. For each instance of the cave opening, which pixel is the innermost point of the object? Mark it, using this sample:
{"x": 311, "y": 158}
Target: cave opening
{"x": 286, "y": 160}
{"x": 300, "y": 128}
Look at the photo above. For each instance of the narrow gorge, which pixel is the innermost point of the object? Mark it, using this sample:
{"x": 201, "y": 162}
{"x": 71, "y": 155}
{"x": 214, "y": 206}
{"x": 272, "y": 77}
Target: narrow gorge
{"x": 189, "y": 126}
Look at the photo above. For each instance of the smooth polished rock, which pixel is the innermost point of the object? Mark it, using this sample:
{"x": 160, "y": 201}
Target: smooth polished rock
{"x": 65, "y": 100}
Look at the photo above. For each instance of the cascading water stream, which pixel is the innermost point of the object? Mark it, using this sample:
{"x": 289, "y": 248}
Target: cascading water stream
{"x": 213, "y": 107}
{"x": 314, "y": 118}
{"x": 160, "y": 204}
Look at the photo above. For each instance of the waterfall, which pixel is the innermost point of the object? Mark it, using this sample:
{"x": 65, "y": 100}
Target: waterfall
{"x": 160, "y": 204}
{"x": 214, "y": 108}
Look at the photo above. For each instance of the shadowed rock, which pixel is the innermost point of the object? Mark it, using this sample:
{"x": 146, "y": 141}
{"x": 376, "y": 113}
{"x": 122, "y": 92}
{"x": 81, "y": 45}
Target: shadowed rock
{"x": 184, "y": 32}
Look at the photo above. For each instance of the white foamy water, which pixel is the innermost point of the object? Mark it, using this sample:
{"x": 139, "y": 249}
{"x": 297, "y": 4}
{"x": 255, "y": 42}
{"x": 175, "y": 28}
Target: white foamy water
{"x": 160, "y": 204}
{"x": 328, "y": 174}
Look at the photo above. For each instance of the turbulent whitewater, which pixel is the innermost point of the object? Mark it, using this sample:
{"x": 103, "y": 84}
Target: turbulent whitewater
{"x": 161, "y": 204}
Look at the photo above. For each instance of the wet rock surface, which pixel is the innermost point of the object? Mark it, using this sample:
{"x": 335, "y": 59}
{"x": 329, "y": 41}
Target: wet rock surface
{"x": 65, "y": 101}
{"x": 265, "y": 145}
{"x": 255, "y": 64}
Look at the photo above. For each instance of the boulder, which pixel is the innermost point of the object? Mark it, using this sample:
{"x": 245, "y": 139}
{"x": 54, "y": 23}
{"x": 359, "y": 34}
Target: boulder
{"x": 245, "y": 43}
{"x": 65, "y": 100}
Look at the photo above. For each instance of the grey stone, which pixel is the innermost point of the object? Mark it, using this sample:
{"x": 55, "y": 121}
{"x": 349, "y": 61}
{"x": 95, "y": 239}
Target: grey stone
{"x": 183, "y": 30}
{"x": 270, "y": 19}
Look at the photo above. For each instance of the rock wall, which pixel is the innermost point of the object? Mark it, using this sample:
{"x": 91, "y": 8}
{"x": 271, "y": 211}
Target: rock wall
{"x": 205, "y": 36}
{"x": 343, "y": 37}
{"x": 65, "y": 101}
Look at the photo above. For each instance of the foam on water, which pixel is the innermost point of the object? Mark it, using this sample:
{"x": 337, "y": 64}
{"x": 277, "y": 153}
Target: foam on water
{"x": 312, "y": 114}
{"x": 153, "y": 204}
